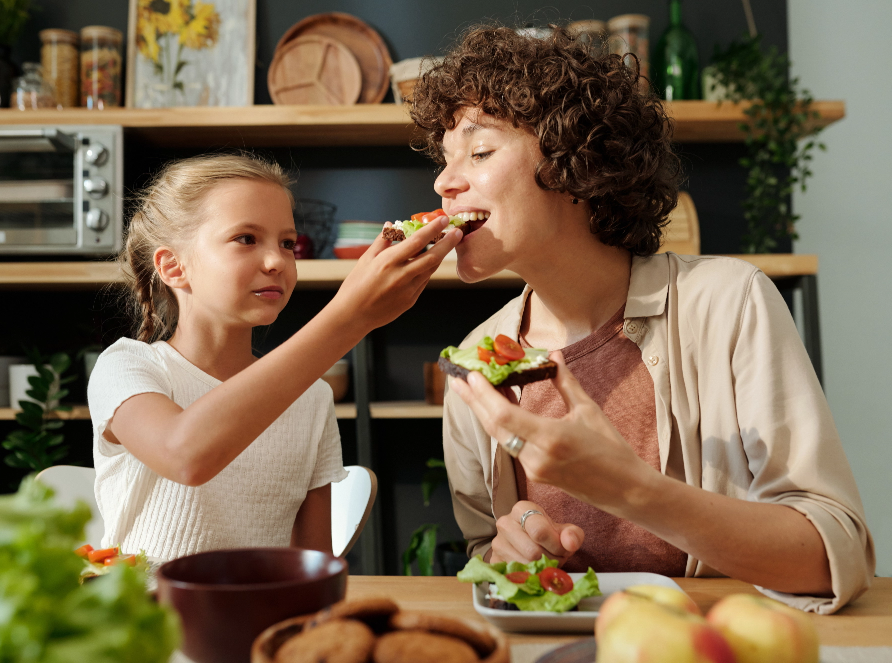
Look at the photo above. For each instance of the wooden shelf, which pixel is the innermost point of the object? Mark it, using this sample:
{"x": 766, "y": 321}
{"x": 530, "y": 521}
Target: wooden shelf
{"x": 327, "y": 274}
{"x": 405, "y": 410}
{"x": 80, "y": 412}
{"x": 362, "y": 124}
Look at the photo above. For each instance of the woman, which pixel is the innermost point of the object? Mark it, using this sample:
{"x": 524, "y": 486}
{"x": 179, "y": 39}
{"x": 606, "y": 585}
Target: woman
{"x": 696, "y": 440}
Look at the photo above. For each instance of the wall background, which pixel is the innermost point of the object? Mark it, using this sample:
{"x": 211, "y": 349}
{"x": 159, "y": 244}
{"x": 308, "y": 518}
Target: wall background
{"x": 844, "y": 53}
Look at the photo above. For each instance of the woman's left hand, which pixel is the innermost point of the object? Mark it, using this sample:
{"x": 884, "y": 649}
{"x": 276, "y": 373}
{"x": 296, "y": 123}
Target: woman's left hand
{"x": 581, "y": 453}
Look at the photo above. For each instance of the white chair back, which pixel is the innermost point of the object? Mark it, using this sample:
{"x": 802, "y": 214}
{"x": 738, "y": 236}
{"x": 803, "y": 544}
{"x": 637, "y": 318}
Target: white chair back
{"x": 351, "y": 504}
{"x": 76, "y": 483}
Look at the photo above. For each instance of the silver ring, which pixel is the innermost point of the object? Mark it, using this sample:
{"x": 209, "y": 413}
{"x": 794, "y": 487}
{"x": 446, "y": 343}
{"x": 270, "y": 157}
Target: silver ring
{"x": 523, "y": 518}
{"x": 513, "y": 446}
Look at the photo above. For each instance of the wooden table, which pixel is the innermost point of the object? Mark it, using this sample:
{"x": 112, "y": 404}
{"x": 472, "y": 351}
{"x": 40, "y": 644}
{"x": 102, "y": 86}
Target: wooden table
{"x": 866, "y": 622}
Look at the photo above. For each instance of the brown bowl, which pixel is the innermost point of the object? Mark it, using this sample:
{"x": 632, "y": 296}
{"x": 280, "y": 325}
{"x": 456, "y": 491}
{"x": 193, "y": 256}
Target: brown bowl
{"x": 226, "y": 598}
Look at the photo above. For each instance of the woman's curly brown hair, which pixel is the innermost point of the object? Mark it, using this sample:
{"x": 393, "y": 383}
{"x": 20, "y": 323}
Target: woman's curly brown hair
{"x": 604, "y": 139}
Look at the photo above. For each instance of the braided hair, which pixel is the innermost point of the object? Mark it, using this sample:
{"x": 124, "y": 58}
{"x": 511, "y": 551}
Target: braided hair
{"x": 167, "y": 213}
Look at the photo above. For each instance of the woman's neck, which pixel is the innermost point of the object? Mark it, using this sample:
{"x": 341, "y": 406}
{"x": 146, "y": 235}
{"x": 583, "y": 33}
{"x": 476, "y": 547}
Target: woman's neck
{"x": 218, "y": 351}
{"x": 577, "y": 287}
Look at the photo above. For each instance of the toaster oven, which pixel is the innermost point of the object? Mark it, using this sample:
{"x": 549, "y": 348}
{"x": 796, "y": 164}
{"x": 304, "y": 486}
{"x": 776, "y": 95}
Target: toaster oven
{"x": 60, "y": 189}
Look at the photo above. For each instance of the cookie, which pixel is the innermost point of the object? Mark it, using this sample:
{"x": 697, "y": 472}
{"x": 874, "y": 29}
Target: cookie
{"x": 482, "y": 642}
{"x": 416, "y": 646}
{"x": 545, "y": 371}
{"x": 374, "y": 613}
{"x": 336, "y": 641}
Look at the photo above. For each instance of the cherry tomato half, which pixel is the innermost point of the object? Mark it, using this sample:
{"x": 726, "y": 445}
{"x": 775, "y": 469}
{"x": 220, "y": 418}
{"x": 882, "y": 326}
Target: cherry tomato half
{"x": 97, "y": 556}
{"x": 84, "y": 550}
{"x": 556, "y": 580}
{"x": 508, "y": 348}
{"x": 129, "y": 560}
{"x": 427, "y": 217}
{"x": 484, "y": 355}
{"x": 518, "y": 577}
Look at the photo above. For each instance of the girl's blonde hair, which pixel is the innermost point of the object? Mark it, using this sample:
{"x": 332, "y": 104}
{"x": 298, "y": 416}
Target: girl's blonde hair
{"x": 167, "y": 213}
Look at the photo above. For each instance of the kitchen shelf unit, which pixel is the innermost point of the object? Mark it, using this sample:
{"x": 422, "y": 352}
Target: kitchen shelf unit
{"x": 358, "y": 125}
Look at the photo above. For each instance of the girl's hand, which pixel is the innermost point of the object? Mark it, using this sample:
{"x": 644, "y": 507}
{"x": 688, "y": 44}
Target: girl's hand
{"x": 581, "y": 453}
{"x": 387, "y": 280}
{"x": 539, "y": 536}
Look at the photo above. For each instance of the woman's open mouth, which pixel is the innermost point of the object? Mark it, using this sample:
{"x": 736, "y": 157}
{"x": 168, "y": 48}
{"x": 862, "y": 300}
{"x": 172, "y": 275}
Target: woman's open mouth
{"x": 474, "y": 220}
{"x": 269, "y": 292}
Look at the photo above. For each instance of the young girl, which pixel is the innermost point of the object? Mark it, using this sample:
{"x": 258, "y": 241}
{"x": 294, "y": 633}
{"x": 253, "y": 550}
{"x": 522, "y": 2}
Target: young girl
{"x": 198, "y": 445}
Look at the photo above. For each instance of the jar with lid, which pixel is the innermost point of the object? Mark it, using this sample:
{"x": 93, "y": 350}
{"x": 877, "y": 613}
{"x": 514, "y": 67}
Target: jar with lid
{"x": 30, "y": 90}
{"x": 100, "y": 67}
{"x": 59, "y": 57}
{"x": 629, "y": 33}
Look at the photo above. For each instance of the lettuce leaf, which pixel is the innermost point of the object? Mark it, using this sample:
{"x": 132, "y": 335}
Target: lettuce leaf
{"x": 530, "y": 595}
{"x": 410, "y": 226}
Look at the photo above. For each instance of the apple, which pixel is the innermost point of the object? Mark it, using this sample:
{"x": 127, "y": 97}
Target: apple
{"x": 619, "y": 601}
{"x": 648, "y": 632}
{"x": 761, "y": 629}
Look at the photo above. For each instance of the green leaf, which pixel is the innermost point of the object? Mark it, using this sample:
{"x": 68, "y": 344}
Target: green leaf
{"x": 426, "y": 551}
{"x": 60, "y": 362}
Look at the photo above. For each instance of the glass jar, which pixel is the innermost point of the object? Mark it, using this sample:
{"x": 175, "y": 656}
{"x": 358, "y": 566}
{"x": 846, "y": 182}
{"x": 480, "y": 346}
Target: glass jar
{"x": 100, "y": 67}
{"x": 629, "y": 34}
{"x": 31, "y": 91}
{"x": 59, "y": 58}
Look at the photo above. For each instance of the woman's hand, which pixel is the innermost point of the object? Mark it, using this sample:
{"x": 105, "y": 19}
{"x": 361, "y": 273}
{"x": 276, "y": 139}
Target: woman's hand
{"x": 581, "y": 453}
{"x": 387, "y": 280}
{"x": 539, "y": 536}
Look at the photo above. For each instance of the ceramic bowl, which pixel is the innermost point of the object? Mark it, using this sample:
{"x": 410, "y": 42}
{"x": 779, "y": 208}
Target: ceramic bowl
{"x": 226, "y": 598}
{"x": 350, "y": 252}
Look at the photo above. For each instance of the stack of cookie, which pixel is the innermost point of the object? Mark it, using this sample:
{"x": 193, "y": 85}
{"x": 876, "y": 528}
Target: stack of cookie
{"x": 377, "y": 631}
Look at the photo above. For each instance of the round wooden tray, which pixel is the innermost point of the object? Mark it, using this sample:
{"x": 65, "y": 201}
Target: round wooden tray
{"x": 314, "y": 69}
{"x": 363, "y": 41}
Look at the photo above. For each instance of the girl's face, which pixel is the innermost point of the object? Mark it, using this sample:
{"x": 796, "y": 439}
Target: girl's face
{"x": 240, "y": 267}
{"x": 490, "y": 172}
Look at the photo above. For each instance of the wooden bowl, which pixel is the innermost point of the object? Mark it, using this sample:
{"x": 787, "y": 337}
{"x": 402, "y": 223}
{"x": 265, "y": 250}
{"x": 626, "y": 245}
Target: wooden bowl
{"x": 268, "y": 643}
{"x": 226, "y": 598}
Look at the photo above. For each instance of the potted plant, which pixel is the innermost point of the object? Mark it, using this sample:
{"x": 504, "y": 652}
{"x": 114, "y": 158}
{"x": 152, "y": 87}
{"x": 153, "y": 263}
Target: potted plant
{"x": 38, "y": 444}
{"x": 13, "y": 16}
{"x": 779, "y": 134}
{"x": 423, "y": 547}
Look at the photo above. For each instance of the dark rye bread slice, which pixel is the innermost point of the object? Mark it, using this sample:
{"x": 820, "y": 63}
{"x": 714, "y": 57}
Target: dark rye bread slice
{"x": 546, "y": 371}
{"x": 396, "y": 235}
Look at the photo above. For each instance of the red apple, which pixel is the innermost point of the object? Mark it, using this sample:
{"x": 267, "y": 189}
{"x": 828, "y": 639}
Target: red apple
{"x": 619, "y": 601}
{"x": 648, "y": 632}
{"x": 761, "y": 629}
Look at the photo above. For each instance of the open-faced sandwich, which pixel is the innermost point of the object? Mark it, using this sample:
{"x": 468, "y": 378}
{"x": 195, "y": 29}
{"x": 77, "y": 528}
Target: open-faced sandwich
{"x": 539, "y": 585}
{"x": 99, "y": 562}
{"x": 467, "y": 221}
{"x": 501, "y": 360}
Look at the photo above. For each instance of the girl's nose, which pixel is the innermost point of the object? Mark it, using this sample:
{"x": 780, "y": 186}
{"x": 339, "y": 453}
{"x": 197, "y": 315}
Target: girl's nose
{"x": 274, "y": 260}
{"x": 450, "y": 182}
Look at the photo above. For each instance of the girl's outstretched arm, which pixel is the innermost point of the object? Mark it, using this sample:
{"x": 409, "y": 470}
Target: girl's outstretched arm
{"x": 192, "y": 445}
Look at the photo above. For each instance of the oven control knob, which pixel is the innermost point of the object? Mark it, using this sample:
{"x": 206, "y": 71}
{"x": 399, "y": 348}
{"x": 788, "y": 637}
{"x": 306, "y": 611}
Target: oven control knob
{"x": 96, "y": 154}
{"x": 96, "y": 220}
{"x": 96, "y": 187}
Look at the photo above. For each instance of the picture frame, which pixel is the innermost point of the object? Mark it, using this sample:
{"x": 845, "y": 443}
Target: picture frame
{"x": 190, "y": 53}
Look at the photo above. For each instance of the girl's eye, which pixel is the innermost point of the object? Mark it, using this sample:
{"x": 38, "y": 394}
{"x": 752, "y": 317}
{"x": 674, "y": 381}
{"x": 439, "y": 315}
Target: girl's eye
{"x": 246, "y": 239}
{"x": 289, "y": 244}
{"x": 480, "y": 156}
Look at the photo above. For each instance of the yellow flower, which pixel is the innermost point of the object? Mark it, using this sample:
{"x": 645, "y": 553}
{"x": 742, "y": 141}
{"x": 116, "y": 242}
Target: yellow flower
{"x": 169, "y": 16}
{"x": 204, "y": 28}
{"x": 147, "y": 36}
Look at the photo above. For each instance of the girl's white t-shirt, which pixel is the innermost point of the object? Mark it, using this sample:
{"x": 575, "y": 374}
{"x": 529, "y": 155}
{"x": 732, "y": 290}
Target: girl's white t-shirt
{"x": 252, "y": 502}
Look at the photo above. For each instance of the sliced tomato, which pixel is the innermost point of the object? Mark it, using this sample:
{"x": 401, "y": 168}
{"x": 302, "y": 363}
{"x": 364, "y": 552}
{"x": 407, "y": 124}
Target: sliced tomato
{"x": 518, "y": 577}
{"x": 97, "y": 556}
{"x": 508, "y": 348}
{"x": 129, "y": 560}
{"x": 427, "y": 217}
{"x": 556, "y": 580}
{"x": 484, "y": 355}
{"x": 500, "y": 360}
{"x": 84, "y": 550}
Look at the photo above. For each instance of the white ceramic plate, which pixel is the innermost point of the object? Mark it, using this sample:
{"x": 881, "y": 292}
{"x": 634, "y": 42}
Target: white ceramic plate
{"x": 577, "y": 621}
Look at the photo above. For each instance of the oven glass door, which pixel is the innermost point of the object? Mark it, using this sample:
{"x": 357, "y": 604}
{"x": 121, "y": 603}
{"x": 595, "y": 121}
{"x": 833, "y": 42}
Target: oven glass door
{"x": 37, "y": 194}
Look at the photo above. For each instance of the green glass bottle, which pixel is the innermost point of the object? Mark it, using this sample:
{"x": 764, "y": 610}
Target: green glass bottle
{"x": 676, "y": 66}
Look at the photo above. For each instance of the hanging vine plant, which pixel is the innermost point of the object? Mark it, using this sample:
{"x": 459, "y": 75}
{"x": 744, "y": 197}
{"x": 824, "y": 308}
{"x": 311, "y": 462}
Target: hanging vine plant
{"x": 780, "y": 136}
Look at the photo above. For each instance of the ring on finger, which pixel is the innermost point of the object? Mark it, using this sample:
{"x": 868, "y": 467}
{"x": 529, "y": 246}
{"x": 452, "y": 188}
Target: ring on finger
{"x": 514, "y": 445}
{"x": 527, "y": 514}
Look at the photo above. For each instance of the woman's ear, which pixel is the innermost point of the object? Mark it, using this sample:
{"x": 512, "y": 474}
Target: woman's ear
{"x": 169, "y": 268}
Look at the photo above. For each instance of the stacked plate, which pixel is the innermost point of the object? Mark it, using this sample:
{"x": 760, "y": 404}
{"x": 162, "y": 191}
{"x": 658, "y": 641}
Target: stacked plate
{"x": 331, "y": 59}
{"x": 354, "y": 237}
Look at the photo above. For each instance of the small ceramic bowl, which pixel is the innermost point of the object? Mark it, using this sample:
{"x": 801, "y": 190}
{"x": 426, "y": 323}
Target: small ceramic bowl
{"x": 226, "y": 598}
{"x": 350, "y": 252}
